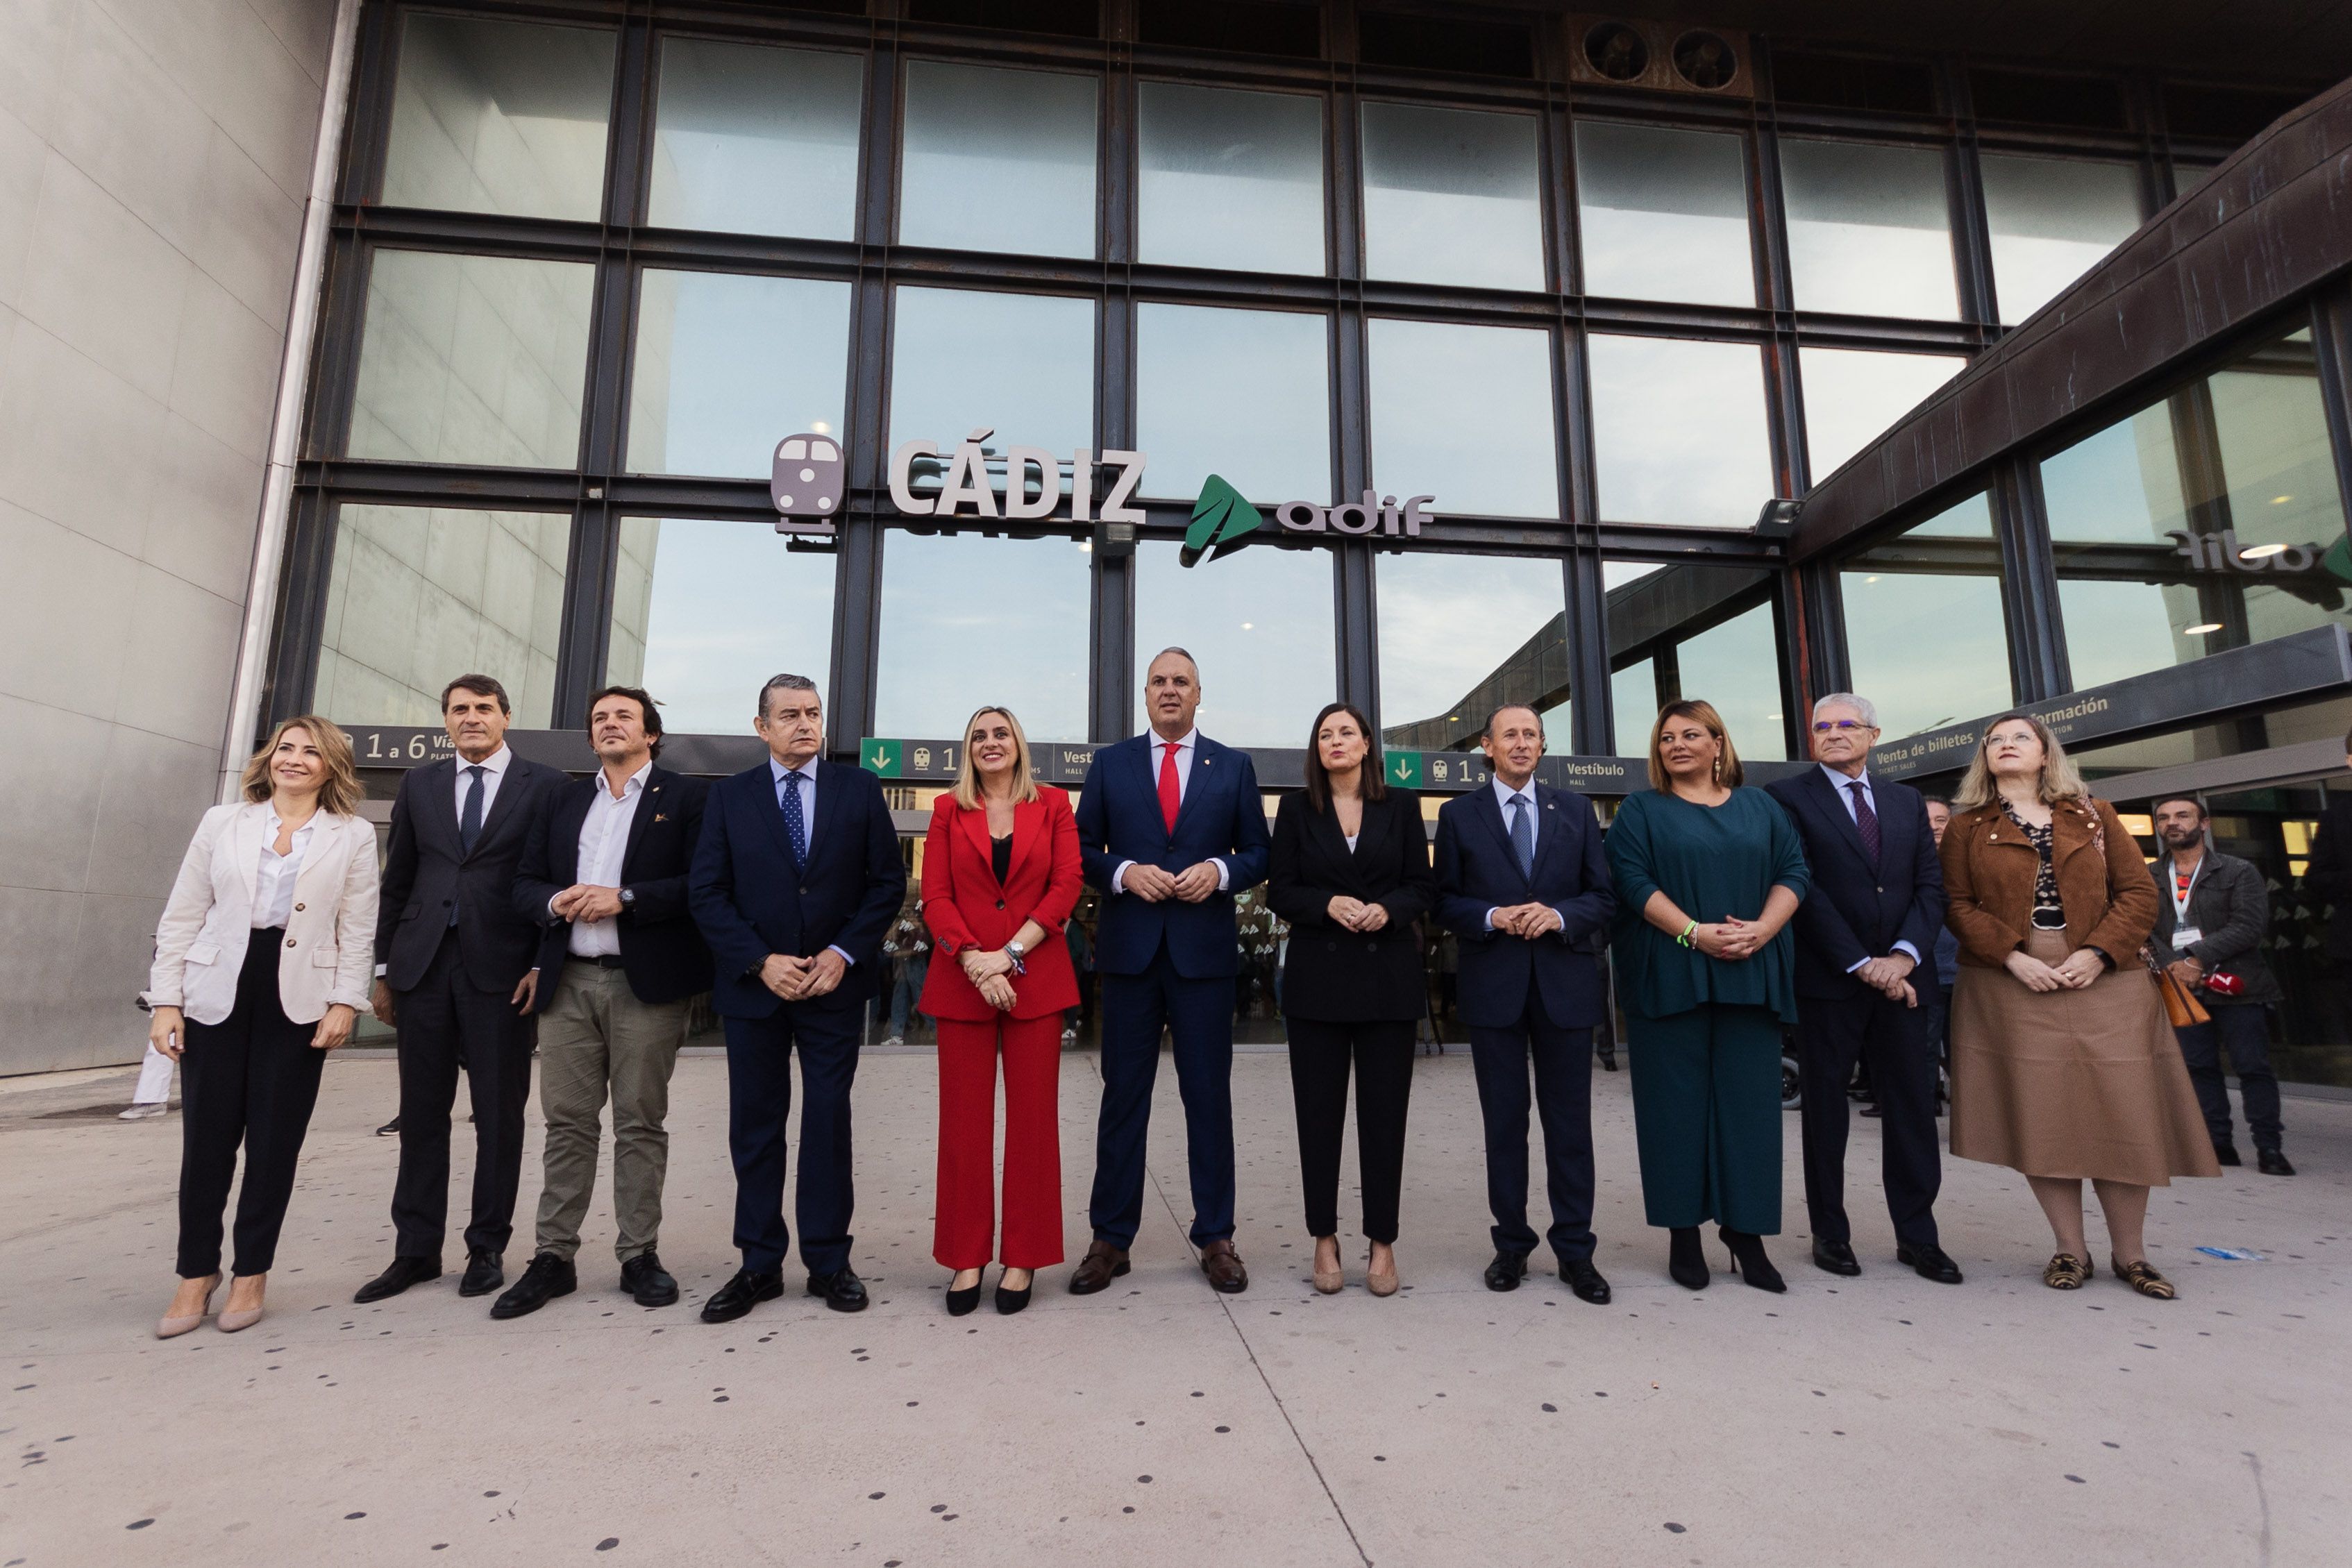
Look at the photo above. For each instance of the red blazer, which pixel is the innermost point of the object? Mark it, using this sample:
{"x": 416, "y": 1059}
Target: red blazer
{"x": 965, "y": 907}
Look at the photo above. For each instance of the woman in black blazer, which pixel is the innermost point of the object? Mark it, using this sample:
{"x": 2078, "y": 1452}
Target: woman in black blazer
{"x": 1352, "y": 874}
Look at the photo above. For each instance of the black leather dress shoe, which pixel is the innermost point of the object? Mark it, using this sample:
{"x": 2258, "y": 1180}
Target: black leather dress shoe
{"x": 403, "y": 1272}
{"x": 485, "y": 1272}
{"x": 1930, "y": 1262}
{"x": 1506, "y": 1270}
{"x": 547, "y": 1278}
{"x": 648, "y": 1283}
{"x": 1586, "y": 1281}
{"x": 2227, "y": 1154}
{"x": 741, "y": 1294}
{"x": 2272, "y": 1162}
{"x": 390, "y": 1129}
{"x": 1834, "y": 1256}
{"x": 843, "y": 1290}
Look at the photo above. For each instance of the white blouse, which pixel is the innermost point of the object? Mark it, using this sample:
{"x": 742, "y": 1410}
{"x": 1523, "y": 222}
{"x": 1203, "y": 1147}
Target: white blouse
{"x": 273, "y": 891}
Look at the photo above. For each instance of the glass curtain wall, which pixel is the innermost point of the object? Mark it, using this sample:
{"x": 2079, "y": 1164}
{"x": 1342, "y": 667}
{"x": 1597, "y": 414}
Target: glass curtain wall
{"x": 1701, "y": 631}
{"x": 1926, "y": 637}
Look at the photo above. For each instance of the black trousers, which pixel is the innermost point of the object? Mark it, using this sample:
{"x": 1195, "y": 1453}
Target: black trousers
{"x": 1321, "y": 1055}
{"x": 2243, "y": 1028}
{"x": 448, "y": 1025}
{"x": 1563, "y": 1058}
{"x": 1832, "y": 1033}
{"x": 250, "y": 1079}
{"x": 760, "y": 1098}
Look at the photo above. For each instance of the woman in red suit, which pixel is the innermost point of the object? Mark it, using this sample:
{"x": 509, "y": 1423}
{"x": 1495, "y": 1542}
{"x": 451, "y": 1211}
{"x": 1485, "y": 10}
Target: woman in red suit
{"x": 1001, "y": 876}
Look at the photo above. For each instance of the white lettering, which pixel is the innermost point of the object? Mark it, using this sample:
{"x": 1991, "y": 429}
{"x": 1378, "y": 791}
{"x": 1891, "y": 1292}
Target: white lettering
{"x": 902, "y": 462}
{"x": 1117, "y": 506}
{"x": 1082, "y": 485}
{"x": 967, "y": 478}
{"x": 1300, "y": 517}
{"x": 1018, "y": 461}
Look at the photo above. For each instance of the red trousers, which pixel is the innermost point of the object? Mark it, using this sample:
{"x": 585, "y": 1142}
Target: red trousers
{"x": 964, "y": 1225}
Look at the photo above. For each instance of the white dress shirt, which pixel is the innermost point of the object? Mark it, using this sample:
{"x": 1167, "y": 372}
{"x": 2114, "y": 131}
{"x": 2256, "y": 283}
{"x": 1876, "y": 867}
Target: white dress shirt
{"x": 1184, "y": 750}
{"x": 273, "y": 888}
{"x": 807, "y": 770}
{"x": 494, "y": 772}
{"x": 603, "y": 844}
{"x": 1844, "y": 784}
{"x": 1504, "y": 796}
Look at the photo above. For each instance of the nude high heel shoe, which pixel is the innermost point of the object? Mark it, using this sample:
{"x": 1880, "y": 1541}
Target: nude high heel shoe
{"x": 239, "y": 1321}
{"x": 1329, "y": 1281}
{"x": 1382, "y": 1284}
{"x": 170, "y": 1327}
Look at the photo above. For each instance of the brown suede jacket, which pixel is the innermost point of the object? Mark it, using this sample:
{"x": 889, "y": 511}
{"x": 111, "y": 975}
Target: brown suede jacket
{"x": 1989, "y": 872}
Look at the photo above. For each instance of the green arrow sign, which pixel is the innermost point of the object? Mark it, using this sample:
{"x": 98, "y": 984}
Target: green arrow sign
{"x": 1405, "y": 769}
{"x": 882, "y": 757}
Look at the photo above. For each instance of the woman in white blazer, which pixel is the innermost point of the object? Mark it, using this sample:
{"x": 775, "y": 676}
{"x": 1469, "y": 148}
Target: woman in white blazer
{"x": 265, "y": 955}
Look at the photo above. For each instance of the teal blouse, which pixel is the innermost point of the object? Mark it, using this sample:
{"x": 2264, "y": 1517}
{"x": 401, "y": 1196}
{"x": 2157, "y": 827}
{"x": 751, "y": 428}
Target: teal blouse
{"x": 1716, "y": 862}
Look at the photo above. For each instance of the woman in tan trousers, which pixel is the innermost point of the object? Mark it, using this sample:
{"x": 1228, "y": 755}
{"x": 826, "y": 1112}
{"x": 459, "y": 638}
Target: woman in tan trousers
{"x": 2064, "y": 1065}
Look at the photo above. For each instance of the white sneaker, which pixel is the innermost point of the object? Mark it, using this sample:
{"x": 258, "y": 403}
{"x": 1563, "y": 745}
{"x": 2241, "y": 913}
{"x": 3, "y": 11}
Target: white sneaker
{"x": 141, "y": 1109}
{"x": 893, "y": 1040}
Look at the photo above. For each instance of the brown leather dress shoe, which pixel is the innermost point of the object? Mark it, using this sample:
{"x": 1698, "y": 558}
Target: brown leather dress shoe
{"x": 1101, "y": 1265}
{"x": 1223, "y": 1265}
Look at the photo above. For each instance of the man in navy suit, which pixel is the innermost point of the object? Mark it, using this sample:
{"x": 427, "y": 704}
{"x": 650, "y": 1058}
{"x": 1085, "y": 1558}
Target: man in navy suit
{"x": 1171, "y": 827}
{"x": 1522, "y": 884}
{"x": 794, "y": 885}
{"x": 1876, "y": 907}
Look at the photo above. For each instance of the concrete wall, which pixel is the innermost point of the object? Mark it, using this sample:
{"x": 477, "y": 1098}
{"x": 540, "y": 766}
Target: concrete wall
{"x": 153, "y": 154}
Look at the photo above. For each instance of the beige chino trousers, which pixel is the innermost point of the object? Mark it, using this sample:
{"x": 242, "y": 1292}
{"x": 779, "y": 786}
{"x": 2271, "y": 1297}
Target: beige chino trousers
{"x": 594, "y": 1038}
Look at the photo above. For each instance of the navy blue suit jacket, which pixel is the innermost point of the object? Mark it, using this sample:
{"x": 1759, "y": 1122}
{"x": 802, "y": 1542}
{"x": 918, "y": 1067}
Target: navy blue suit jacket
{"x": 661, "y": 951}
{"x": 1858, "y": 910}
{"x": 750, "y": 903}
{"x": 1222, "y": 819}
{"x": 1477, "y": 871}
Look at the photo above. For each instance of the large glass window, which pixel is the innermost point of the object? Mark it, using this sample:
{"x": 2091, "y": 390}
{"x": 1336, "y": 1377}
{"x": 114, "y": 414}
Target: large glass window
{"x": 1693, "y": 631}
{"x": 472, "y": 358}
{"x": 1451, "y": 197}
{"x": 1020, "y": 364}
{"x": 1258, "y": 622}
{"x": 1633, "y": 703}
{"x": 1679, "y": 433}
{"x": 727, "y": 366}
{"x": 2051, "y": 220}
{"x": 998, "y": 159}
{"x": 756, "y": 141}
{"x": 499, "y": 117}
{"x": 968, "y": 621}
{"x": 1924, "y": 628}
{"x": 1870, "y": 229}
{"x": 1229, "y": 179}
{"x": 1853, "y": 396}
{"x": 1663, "y": 213}
{"x": 1736, "y": 666}
{"x": 704, "y": 611}
{"x": 417, "y": 595}
{"x": 1462, "y": 634}
{"x": 1245, "y": 394}
{"x": 1464, "y": 413}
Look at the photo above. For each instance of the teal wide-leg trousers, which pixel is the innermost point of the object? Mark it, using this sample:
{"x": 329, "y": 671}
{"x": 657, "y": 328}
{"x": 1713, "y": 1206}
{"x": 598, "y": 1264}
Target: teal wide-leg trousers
{"x": 1706, "y": 1116}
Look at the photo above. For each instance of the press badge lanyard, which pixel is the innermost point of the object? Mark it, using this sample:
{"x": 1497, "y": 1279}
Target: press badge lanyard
{"x": 2183, "y": 934}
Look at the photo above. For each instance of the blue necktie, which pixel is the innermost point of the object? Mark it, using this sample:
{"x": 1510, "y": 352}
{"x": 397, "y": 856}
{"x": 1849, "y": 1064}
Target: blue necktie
{"x": 795, "y": 824}
{"x": 1523, "y": 836}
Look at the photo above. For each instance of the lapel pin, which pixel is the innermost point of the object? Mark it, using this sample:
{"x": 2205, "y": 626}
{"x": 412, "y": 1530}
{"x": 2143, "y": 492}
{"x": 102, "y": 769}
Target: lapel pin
{"x": 658, "y": 817}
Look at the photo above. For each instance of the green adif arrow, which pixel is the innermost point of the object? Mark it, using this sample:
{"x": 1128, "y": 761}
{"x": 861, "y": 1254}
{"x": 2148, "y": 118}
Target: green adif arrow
{"x": 879, "y": 757}
{"x": 1405, "y": 769}
{"x": 1221, "y": 523}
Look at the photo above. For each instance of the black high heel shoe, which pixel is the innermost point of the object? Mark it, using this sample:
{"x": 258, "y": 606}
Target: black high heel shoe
{"x": 963, "y": 1300}
{"x": 1008, "y": 1300}
{"x": 1748, "y": 1260}
{"x": 1685, "y": 1258}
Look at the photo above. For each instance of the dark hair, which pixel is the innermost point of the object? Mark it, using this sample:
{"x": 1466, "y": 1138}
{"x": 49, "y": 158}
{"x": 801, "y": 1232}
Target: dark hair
{"x": 1935, "y": 801}
{"x": 1499, "y": 709}
{"x": 644, "y": 701}
{"x": 783, "y": 684}
{"x": 2163, "y": 800}
{"x": 481, "y": 686}
{"x": 1318, "y": 778}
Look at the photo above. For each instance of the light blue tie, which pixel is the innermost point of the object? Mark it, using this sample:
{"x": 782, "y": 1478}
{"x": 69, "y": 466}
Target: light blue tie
{"x": 1523, "y": 836}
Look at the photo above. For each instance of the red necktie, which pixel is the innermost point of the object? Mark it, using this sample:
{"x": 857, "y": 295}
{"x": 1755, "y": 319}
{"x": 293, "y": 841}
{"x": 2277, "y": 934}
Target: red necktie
{"x": 1170, "y": 797}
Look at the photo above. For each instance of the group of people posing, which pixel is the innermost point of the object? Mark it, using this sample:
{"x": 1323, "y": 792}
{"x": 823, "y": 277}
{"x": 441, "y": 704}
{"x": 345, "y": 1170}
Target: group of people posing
{"x": 519, "y": 908}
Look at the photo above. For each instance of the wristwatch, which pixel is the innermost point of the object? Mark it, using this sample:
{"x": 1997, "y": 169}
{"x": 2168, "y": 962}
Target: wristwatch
{"x": 1017, "y": 950}
{"x": 628, "y": 898}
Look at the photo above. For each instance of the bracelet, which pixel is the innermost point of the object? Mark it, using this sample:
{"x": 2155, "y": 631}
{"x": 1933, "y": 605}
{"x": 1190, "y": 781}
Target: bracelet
{"x": 1684, "y": 935}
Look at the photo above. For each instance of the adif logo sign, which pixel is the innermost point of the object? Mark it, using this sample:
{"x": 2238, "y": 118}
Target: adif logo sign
{"x": 1222, "y": 522}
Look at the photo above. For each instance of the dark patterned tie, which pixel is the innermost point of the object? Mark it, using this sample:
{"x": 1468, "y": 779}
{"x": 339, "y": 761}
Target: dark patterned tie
{"x": 795, "y": 824}
{"x": 1865, "y": 819}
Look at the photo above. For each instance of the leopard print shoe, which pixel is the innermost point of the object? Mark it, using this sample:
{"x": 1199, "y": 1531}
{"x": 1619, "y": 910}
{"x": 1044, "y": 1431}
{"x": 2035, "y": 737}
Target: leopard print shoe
{"x": 2142, "y": 1276}
{"x": 2064, "y": 1271}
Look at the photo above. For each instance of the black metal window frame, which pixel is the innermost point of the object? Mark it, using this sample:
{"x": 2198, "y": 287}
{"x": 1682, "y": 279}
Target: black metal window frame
{"x": 598, "y": 492}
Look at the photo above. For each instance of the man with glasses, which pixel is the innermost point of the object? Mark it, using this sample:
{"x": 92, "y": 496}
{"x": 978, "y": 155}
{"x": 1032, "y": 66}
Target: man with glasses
{"x": 1872, "y": 919}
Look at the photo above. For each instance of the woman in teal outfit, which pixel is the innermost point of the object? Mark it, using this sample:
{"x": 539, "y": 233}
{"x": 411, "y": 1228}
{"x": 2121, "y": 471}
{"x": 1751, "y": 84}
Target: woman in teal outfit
{"x": 1707, "y": 875}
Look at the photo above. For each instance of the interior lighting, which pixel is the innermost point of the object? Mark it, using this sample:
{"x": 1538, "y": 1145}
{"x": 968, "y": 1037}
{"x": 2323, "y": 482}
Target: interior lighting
{"x": 2206, "y": 628}
{"x": 2259, "y": 552}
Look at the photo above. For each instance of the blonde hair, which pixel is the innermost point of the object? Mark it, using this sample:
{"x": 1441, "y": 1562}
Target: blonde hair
{"x": 2061, "y": 780}
{"x": 339, "y": 792}
{"x": 1727, "y": 771}
{"x": 966, "y": 779}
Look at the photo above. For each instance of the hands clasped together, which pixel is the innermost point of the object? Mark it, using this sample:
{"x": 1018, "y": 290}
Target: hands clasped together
{"x": 2072, "y": 973}
{"x": 803, "y": 979}
{"x": 1151, "y": 884}
{"x": 991, "y": 973}
{"x": 1528, "y": 920}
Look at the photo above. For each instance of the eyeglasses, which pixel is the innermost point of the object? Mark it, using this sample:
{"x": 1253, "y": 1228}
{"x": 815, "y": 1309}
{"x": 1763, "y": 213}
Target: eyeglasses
{"x": 1823, "y": 725}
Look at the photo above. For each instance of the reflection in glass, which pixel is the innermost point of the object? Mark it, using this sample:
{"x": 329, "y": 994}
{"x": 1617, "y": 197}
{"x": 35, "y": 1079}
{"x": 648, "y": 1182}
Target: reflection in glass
{"x": 1463, "y": 413}
{"x": 968, "y": 621}
{"x": 499, "y": 117}
{"x": 1853, "y": 396}
{"x": 1258, "y": 622}
{"x": 1634, "y": 700}
{"x": 1679, "y": 433}
{"x": 1870, "y": 230}
{"x": 727, "y": 366}
{"x": 704, "y": 611}
{"x": 1736, "y": 666}
{"x": 998, "y": 159}
{"x": 1923, "y": 627}
{"x": 1266, "y": 429}
{"x": 1021, "y": 364}
{"x": 472, "y": 358}
{"x": 1663, "y": 213}
{"x": 418, "y": 594}
{"x": 1229, "y": 179}
{"x": 1680, "y": 630}
{"x": 2052, "y": 221}
{"x": 1461, "y": 635}
{"x": 748, "y": 140}
{"x": 1450, "y": 196}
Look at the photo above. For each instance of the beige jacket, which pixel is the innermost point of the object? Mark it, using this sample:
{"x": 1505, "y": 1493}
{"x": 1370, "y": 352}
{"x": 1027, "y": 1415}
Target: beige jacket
{"x": 330, "y": 951}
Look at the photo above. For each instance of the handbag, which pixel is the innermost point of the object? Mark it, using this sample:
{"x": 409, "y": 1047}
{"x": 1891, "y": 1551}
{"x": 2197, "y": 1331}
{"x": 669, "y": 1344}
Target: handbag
{"x": 2181, "y": 1007}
